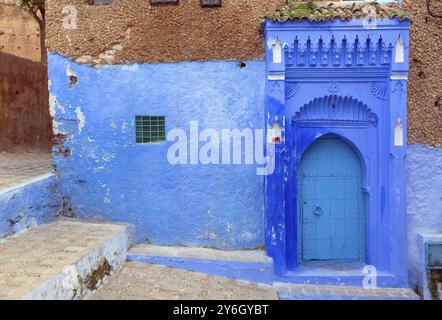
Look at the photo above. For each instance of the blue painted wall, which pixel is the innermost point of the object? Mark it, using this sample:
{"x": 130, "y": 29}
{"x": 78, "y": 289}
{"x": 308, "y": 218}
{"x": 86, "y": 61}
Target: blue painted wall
{"x": 105, "y": 175}
{"x": 424, "y": 199}
{"x": 29, "y": 205}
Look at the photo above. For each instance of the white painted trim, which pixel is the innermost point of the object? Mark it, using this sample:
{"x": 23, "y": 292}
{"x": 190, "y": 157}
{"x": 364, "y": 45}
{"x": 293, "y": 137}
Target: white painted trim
{"x": 276, "y": 77}
{"x": 399, "y": 77}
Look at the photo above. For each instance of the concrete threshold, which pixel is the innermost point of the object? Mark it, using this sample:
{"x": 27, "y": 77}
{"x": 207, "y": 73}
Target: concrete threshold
{"x": 66, "y": 259}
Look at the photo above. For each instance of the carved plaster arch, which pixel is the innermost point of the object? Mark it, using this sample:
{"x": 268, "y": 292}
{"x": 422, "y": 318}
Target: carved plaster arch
{"x": 336, "y": 108}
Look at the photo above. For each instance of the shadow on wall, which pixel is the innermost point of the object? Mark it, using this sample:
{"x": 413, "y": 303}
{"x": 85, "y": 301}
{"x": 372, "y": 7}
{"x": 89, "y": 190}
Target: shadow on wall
{"x": 25, "y": 123}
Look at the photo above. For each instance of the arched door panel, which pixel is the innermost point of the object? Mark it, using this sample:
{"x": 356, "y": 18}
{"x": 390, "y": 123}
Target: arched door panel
{"x": 331, "y": 217}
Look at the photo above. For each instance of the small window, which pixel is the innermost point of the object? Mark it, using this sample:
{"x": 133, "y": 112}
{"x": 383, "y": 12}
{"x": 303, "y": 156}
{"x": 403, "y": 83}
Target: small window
{"x": 150, "y": 129}
{"x": 99, "y": 2}
{"x": 211, "y": 3}
{"x": 163, "y": 1}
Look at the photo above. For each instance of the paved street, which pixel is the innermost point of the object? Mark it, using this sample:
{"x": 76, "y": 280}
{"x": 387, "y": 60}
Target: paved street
{"x": 138, "y": 281}
{"x": 17, "y": 168}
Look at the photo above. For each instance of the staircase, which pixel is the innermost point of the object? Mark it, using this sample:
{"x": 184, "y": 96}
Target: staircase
{"x": 254, "y": 266}
{"x": 72, "y": 259}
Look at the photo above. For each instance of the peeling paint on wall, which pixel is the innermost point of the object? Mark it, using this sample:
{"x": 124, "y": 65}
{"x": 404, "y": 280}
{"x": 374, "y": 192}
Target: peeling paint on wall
{"x": 81, "y": 119}
{"x": 71, "y": 75}
{"x": 106, "y": 175}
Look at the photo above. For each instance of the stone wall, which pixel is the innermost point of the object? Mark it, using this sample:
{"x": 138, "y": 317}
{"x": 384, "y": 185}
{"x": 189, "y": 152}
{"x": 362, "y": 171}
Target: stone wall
{"x": 425, "y": 81}
{"x": 158, "y": 33}
{"x": 19, "y": 32}
{"x": 25, "y": 123}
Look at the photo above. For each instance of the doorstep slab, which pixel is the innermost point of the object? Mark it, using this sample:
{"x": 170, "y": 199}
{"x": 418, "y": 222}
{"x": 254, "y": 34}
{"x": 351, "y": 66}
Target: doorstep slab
{"x": 66, "y": 259}
{"x": 146, "y": 250}
{"x": 287, "y": 291}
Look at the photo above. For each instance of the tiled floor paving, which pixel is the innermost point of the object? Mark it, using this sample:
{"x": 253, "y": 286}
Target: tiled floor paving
{"x": 18, "y": 168}
{"x": 139, "y": 281}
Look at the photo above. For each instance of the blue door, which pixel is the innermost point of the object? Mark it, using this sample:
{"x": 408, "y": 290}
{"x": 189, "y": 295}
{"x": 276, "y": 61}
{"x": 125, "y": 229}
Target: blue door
{"x": 331, "y": 210}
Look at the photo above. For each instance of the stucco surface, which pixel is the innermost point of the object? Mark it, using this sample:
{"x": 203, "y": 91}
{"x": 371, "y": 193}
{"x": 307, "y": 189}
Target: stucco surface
{"x": 29, "y": 205}
{"x": 424, "y": 166}
{"x": 105, "y": 175}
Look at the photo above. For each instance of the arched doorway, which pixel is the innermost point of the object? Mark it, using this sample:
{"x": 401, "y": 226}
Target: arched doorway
{"x": 331, "y": 214}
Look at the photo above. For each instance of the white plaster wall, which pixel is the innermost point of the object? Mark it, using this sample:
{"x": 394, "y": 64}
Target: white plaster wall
{"x": 424, "y": 198}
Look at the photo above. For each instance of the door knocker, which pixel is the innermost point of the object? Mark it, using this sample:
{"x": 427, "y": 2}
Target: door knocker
{"x": 317, "y": 210}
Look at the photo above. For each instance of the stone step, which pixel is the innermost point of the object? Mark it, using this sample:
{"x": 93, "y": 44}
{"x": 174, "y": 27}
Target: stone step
{"x": 66, "y": 259}
{"x": 287, "y": 291}
{"x": 147, "y": 250}
{"x": 252, "y": 266}
{"x": 255, "y": 267}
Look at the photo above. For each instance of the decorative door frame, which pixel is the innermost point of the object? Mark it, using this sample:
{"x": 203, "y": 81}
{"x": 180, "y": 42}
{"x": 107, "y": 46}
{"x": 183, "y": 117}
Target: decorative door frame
{"x": 365, "y": 69}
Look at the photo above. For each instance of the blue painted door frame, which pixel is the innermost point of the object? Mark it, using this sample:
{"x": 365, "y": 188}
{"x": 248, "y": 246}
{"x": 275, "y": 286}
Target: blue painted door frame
{"x": 343, "y": 79}
{"x": 362, "y": 137}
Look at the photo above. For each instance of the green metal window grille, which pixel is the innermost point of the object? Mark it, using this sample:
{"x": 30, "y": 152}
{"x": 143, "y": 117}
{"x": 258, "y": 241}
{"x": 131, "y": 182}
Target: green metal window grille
{"x": 150, "y": 129}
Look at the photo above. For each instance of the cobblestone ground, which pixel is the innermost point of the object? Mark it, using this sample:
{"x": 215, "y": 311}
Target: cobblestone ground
{"x": 17, "y": 168}
{"x": 139, "y": 281}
